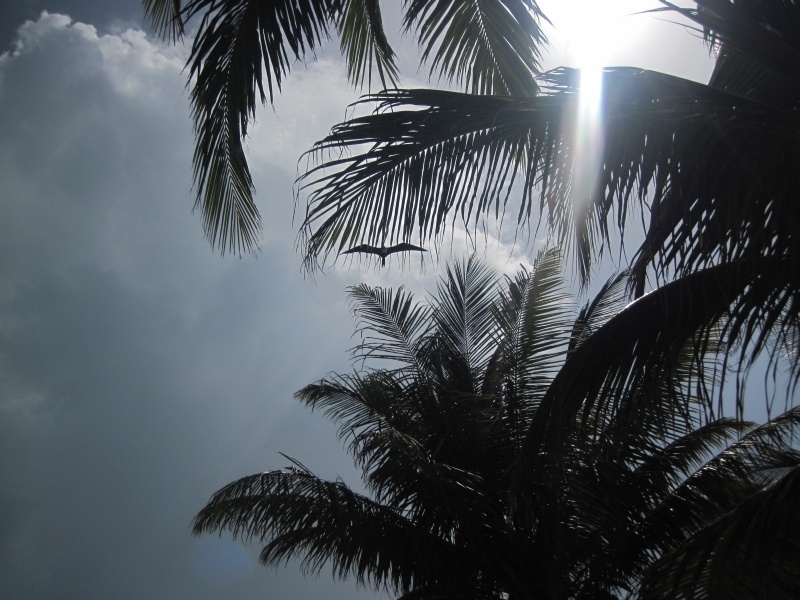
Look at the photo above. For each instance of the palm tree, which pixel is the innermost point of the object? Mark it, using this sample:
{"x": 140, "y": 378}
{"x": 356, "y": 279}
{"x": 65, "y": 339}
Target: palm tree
{"x": 709, "y": 170}
{"x": 440, "y": 432}
{"x": 244, "y": 49}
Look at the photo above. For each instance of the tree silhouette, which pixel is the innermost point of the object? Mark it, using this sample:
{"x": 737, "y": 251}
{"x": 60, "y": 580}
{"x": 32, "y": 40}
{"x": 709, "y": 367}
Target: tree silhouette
{"x": 489, "y": 474}
{"x": 441, "y": 431}
{"x": 709, "y": 170}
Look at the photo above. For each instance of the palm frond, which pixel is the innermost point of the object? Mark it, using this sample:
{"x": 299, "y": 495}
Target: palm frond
{"x": 409, "y": 448}
{"x": 608, "y": 301}
{"x": 357, "y": 403}
{"x": 419, "y": 163}
{"x": 391, "y": 325}
{"x": 751, "y": 552}
{"x": 165, "y": 17}
{"x": 765, "y": 33}
{"x": 297, "y": 514}
{"x": 415, "y": 451}
{"x": 763, "y": 454}
{"x": 238, "y": 43}
{"x": 464, "y": 322}
{"x": 533, "y": 317}
{"x": 363, "y": 42}
{"x": 487, "y": 46}
{"x": 635, "y": 350}
{"x": 664, "y": 468}
{"x": 649, "y": 481}
{"x": 678, "y": 491}
{"x": 759, "y": 458}
{"x": 424, "y": 158}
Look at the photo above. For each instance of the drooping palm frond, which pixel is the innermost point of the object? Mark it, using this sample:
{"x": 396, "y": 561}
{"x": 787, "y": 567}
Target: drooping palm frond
{"x": 323, "y": 522}
{"x": 492, "y": 46}
{"x": 766, "y": 34}
{"x": 165, "y": 17}
{"x": 426, "y": 157}
{"x": 363, "y": 42}
{"x": 751, "y": 552}
{"x": 486, "y": 46}
{"x": 238, "y": 44}
{"x": 418, "y": 164}
{"x": 636, "y": 350}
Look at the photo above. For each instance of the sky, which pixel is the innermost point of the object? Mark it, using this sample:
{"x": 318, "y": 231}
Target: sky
{"x": 139, "y": 370}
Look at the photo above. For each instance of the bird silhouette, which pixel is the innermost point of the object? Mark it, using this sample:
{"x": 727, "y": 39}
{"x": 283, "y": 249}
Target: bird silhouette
{"x": 383, "y": 251}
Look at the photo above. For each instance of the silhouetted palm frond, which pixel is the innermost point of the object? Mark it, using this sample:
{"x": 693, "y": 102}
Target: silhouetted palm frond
{"x": 608, "y": 301}
{"x": 241, "y": 54}
{"x": 486, "y": 46}
{"x": 165, "y": 17}
{"x": 465, "y": 323}
{"x": 297, "y": 514}
{"x": 640, "y": 345}
{"x": 681, "y": 488}
{"x": 391, "y": 325}
{"x": 364, "y": 44}
{"x": 751, "y": 552}
{"x": 426, "y": 156}
{"x": 533, "y": 315}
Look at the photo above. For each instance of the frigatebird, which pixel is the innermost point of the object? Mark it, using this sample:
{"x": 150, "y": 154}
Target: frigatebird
{"x": 383, "y": 251}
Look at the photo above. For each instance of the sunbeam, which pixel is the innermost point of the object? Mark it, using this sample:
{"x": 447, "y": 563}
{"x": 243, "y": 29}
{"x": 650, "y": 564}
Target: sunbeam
{"x": 591, "y": 32}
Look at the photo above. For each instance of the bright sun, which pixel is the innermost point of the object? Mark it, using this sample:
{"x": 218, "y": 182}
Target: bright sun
{"x": 589, "y": 34}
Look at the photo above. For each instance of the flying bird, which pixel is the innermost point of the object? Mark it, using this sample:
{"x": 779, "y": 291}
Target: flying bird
{"x": 383, "y": 251}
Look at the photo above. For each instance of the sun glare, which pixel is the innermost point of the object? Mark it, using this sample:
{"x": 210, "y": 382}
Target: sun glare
{"x": 590, "y": 33}
{"x": 587, "y": 35}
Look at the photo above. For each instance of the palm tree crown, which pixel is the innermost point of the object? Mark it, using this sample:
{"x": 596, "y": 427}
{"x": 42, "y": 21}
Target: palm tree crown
{"x": 440, "y": 432}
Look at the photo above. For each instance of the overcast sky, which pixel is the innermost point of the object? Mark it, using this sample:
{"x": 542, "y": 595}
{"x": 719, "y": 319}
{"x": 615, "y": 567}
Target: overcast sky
{"x": 140, "y": 371}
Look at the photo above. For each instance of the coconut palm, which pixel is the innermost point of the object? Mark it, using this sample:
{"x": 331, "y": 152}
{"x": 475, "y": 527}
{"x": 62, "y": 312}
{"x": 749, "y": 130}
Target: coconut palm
{"x": 661, "y": 132}
{"x": 439, "y": 418}
{"x": 243, "y": 50}
{"x": 709, "y": 170}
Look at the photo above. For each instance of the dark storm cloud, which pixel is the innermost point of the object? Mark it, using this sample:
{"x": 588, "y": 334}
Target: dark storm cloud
{"x": 139, "y": 371}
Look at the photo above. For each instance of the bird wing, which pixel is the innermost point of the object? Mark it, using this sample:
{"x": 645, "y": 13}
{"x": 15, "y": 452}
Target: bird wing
{"x": 363, "y": 248}
{"x": 404, "y": 248}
